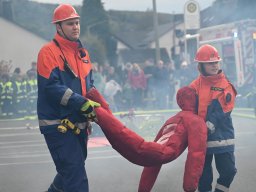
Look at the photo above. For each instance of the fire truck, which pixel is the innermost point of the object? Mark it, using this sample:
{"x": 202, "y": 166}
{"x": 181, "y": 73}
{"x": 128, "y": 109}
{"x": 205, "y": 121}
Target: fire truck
{"x": 236, "y": 43}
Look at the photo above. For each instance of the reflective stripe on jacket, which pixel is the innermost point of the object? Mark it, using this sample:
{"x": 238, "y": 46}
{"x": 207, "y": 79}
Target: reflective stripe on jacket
{"x": 7, "y": 91}
{"x": 32, "y": 89}
{"x": 20, "y": 90}
{"x": 216, "y": 97}
{"x": 60, "y": 94}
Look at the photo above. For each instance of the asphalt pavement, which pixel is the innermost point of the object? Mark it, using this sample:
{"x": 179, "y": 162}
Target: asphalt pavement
{"x": 26, "y": 166}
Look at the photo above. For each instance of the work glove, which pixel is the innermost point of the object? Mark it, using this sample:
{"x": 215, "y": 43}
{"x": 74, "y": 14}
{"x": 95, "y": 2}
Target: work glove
{"x": 87, "y": 110}
{"x": 211, "y": 127}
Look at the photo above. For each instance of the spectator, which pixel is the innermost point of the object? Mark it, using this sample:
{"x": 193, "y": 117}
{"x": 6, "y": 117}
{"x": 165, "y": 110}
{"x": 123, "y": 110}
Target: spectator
{"x": 33, "y": 68}
{"x": 112, "y": 75}
{"x": 32, "y": 93}
{"x": 7, "y": 96}
{"x": 149, "y": 70}
{"x": 138, "y": 83}
{"x": 99, "y": 80}
{"x": 16, "y": 74}
{"x": 111, "y": 90}
{"x": 5, "y": 67}
{"x": 20, "y": 93}
{"x": 161, "y": 81}
{"x": 171, "y": 71}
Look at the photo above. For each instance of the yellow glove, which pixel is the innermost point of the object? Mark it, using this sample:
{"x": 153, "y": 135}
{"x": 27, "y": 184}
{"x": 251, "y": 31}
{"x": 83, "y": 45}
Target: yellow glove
{"x": 88, "y": 109}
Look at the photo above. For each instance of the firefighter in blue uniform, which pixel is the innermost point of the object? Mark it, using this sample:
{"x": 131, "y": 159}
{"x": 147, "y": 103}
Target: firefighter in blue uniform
{"x": 7, "y": 96}
{"x": 64, "y": 77}
{"x": 32, "y": 92}
{"x": 20, "y": 95}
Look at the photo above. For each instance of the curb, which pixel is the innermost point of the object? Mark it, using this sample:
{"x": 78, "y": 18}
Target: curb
{"x": 241, "y": 112}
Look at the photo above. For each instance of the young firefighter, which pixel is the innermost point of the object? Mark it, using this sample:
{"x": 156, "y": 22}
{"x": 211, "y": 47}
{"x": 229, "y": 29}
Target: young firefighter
{"x": 216, "y": 96}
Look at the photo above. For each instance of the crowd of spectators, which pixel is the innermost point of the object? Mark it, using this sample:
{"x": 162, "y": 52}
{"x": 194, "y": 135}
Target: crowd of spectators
{"x": 132, "y": 86}
{"x": 152, "y": 86}
{"x": 136, "y": 86}
{"x": 142, "y": 86}
{"x": 18, "y": 91}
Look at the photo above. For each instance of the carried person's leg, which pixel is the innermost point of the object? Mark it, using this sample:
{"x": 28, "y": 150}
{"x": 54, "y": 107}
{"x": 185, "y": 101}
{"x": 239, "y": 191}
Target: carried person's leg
{"x": 205, "y": 182}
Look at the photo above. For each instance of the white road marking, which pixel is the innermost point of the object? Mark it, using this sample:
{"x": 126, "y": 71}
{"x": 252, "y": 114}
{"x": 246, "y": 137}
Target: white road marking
{"x": 21, "y": 146}
{"x": 24, "y": 152}
{"x": 19, "y": 128}
{"x": 20, "y": 142}
{"x": 18, "y": 134}
{"x": 43, "y": 162}
{"x": 24, "y": 156}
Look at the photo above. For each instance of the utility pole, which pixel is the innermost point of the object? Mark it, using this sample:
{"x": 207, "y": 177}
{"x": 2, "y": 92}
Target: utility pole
{"x": 158, "y": 57}
{"x": 173, "y": 35}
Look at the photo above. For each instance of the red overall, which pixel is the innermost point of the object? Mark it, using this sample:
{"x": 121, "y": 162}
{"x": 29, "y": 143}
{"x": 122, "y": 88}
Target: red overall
{"x": 182, "y": 130}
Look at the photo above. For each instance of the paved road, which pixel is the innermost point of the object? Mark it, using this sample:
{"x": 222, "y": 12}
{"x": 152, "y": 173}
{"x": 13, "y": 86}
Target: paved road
{"x": 26, "y": 166}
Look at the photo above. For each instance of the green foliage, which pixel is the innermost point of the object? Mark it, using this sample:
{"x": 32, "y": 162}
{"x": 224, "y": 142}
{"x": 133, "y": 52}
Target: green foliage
{"x": 94, "y": 20}
{"x": 95, "y": 47}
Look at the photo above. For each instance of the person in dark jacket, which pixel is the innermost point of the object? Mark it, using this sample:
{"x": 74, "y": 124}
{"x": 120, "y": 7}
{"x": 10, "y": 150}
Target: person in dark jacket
{"x": 162, "y": 85}
{"x": 216, "y": 96}
{"x": 64, "y": 77}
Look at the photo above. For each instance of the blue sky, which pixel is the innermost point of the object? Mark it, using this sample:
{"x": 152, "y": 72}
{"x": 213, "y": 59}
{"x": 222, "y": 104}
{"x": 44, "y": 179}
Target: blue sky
{"x": 166, "y": 6}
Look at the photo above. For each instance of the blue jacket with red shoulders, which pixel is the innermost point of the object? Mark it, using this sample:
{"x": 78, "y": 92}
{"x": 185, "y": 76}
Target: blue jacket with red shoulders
{"x": 64, "y": 76}
{"x": 216, "y": 99}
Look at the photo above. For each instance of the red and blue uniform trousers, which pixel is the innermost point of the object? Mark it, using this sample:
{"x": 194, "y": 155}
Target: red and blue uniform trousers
{"x": 225, "y": 164}
{"x": 64, "y": 77}
{"x": 221, "y": 146}
{"x": 69, "y": 152}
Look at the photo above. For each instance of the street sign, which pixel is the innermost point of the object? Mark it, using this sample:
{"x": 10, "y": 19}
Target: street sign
{"x": 192, "y": 15}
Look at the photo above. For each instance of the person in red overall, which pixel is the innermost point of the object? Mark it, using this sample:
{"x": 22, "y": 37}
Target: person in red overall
{"x": 190, "y": 131}
{"x": 216, "y": 96}
{"x": 182, "y": 130}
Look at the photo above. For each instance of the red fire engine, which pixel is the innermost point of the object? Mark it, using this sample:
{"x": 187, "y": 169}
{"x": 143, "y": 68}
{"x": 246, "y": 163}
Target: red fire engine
{"x": 236, "y": 45}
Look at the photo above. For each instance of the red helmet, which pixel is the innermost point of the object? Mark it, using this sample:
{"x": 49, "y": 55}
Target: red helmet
{"x": 64, "y": 12}
{"x": 207, "y": 54}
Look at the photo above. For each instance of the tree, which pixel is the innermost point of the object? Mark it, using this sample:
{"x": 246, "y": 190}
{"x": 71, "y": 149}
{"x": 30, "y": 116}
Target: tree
{"x": 93, "y": 17}
{"x": 96, "y": 48}
{"x": 95, "y": 22}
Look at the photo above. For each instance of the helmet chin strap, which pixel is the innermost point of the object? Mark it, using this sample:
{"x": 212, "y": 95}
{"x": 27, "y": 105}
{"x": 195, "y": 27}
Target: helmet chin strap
{"x": 202, "y": 69}
{"x": 65, "y": 36}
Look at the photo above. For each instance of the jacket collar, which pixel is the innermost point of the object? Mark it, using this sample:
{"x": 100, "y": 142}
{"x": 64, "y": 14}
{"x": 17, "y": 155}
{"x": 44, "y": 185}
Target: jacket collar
{"x": 213, "y": 78}
{"x": 66, "y": 43}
